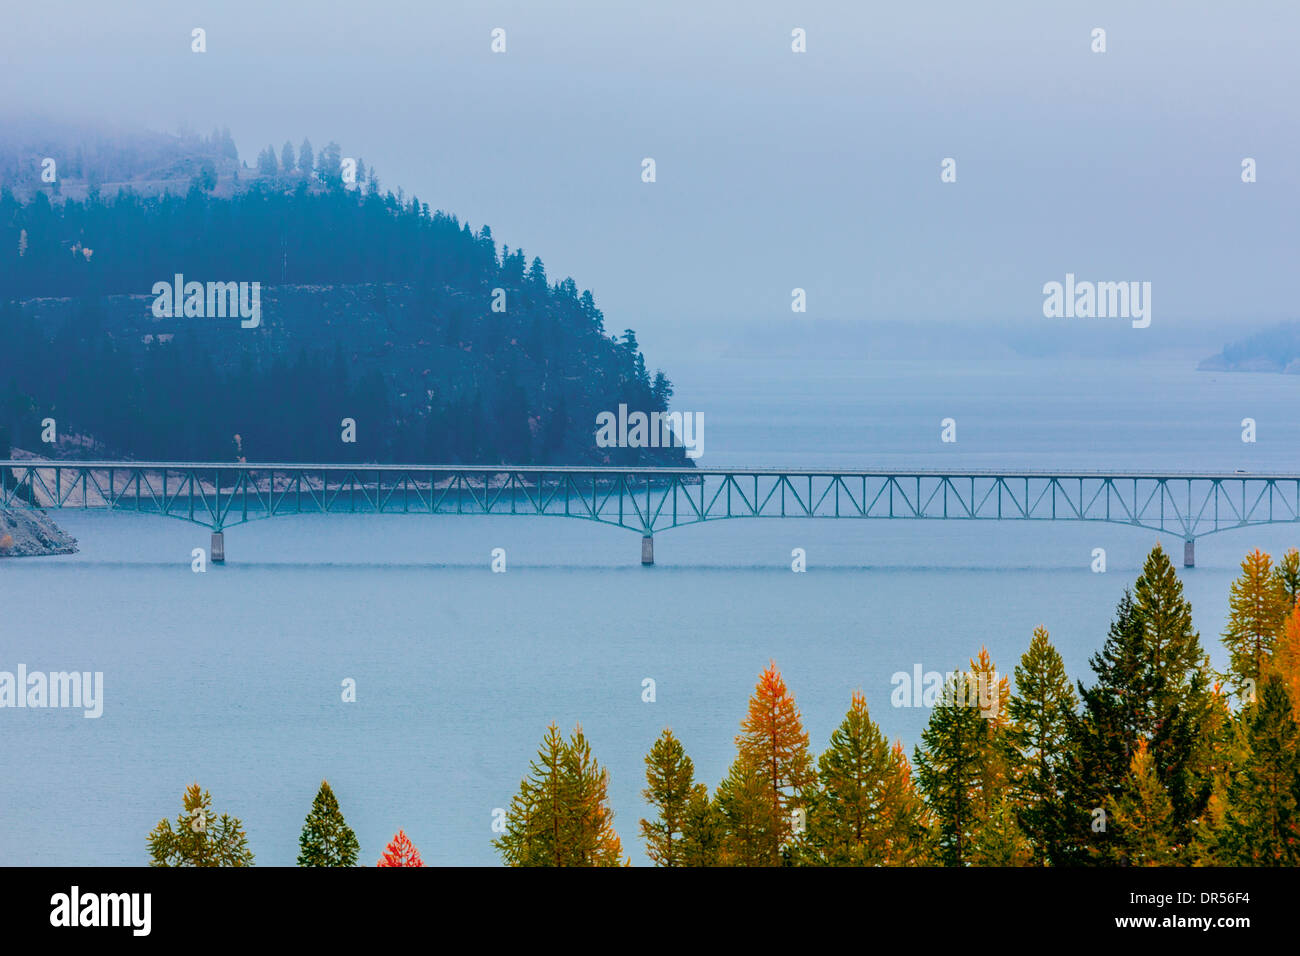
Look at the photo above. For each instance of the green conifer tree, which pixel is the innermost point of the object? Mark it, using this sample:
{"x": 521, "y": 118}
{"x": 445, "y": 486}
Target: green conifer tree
{"x": 1042, "y": 713}
{"x": 1114, "y": 717}
{"x": 326, "y": 839}
{"x": 1263, "y": 822}
{"x": 950, "y": 765}
{"x": 1154, "y": 687}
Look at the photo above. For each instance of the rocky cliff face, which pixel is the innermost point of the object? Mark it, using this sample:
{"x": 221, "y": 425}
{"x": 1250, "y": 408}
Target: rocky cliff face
{"x": 25, "y": 533}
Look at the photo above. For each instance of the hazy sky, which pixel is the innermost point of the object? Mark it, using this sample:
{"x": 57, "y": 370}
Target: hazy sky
{"x": 775, "y": 169}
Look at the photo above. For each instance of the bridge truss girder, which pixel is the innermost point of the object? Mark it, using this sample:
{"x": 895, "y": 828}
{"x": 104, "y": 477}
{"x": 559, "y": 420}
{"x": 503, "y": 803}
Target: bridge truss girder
{"x": 648, "y": 501}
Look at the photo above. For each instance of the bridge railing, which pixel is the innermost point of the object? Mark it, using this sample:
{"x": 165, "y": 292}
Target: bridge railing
{"x": 650, "y": 500}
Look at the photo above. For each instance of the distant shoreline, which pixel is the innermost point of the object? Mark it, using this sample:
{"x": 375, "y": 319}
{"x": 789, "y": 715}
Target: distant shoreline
{"x": 29, "y": 534}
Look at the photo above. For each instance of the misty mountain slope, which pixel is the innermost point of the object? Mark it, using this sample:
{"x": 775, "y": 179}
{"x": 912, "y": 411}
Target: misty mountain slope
{"x": 441, "y": 346}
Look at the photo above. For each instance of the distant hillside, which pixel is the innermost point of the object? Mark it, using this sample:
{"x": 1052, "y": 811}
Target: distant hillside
{"x": 371, "y": 308}
{"x": 107, "y": 157}
{"x": 1275, "y": 349}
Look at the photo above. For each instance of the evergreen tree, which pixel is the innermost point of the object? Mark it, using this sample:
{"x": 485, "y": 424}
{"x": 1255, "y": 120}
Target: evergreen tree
{"x": 200, "y": 837}
{"x": 1182, "y": 700}
{"x": 848, "y": 824}
{"x": 669, "y": 785}
{"x": 1142, "y": 814}
{"x": 561, "y": 816}
{"x": 1152, "y": 686}
{"x": 662, "y": 391}
{"x": 400, "y": 852}
{"x": 287, "y": 161}
{"x": 266, "y": 162}
{"x": 1042, "y": 714}
{"x": 326, "y": 838}
{"x": 329, "y": 164}
{"x": 1113, "y": 719}
{"x": 306, "y": 158}
{"x": 950, "y": 764}
{"x": 1263, "y": 822}
{"x": 1256, "y": 609}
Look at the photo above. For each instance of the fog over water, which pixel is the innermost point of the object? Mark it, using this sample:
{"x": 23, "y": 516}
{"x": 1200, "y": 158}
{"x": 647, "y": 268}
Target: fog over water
{"x": 775, "y": 170}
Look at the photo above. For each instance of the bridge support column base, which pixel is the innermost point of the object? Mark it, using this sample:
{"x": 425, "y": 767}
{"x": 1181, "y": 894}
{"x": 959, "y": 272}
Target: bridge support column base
{"x": 647, "y": 550}
{"x": 1189, "y": 553}
{"x": 217, "y": 553}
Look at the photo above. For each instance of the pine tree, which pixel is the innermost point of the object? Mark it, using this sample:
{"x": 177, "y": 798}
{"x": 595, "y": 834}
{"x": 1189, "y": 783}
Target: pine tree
{"x": 1256, "y": 609}
{"x": 1179, "y": 666}
{"x": 306, "y": 158}
{"x": 287, "y": 161}
{"x": 329, "y": 163}
{"x": 950, "y": 766}
{"x": 1142, "y": 814}
{"x": 266, "y": 162}
{"x": 326, "y": 838}
{"x": 847, "y": 821}
{"x": 1182, "y": 700}
{"x": 1263, "y": 822}
{"x": 400, "y": 852}
{"x": 200, "y": 837}
{"x": 1153, "y": 687}
{"x": 1042, "y": 714}
{"x": 561, "y": 816}
{"x": 669, "y": 784}
{"x": 1114, "y": 717}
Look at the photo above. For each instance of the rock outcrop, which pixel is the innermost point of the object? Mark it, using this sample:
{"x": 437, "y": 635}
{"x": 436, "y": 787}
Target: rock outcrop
{"x": 27, "y": 532}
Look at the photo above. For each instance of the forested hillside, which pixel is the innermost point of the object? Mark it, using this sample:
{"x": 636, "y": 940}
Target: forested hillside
{"x": 373, "y": 307}
{"x": 1275, "y": 349}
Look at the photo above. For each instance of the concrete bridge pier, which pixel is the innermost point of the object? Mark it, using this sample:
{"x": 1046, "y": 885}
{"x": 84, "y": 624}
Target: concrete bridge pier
{"x": 1189, "y": 553}
{"x": 647, "y": 550}
{"x": 217, "y": 553}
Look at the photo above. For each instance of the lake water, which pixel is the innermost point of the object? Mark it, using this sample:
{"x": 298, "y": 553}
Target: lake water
{"x": 232, "y": 678}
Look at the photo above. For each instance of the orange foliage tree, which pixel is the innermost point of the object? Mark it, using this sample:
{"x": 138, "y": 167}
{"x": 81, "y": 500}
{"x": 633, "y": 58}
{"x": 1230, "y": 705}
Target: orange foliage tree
{"x": 400, "y": 852}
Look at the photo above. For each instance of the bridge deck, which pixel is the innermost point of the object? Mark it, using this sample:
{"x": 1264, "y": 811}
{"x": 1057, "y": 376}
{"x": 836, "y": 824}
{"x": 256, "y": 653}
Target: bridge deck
{"x": 219, "y": 495}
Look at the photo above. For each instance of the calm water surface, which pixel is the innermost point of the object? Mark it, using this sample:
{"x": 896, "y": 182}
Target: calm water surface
{"x": 232, "y": 678}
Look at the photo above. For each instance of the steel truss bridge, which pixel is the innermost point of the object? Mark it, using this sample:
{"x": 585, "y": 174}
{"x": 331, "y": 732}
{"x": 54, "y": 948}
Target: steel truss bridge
{"x": 649, "y": 500}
